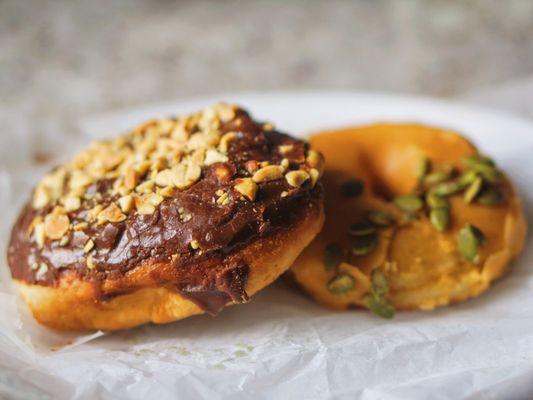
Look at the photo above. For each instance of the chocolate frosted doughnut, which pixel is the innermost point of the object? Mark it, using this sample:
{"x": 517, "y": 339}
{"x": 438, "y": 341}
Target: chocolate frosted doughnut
{"x": 177, "y": 217}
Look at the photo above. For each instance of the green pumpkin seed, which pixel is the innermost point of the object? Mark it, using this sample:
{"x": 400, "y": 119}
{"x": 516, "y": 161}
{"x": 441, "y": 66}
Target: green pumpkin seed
{"x": 332, "y": 256}
{"x": 341, "y": 284}
{"x": 435, "y": 201}
{"x": 408, "y": 203}
{"x": 380, "y": 284}
{"x": 468, "y": 241}
{"x": 473, "y": 190}
{"x": 352, "y": 188}
{"x": 440, "y": 218}
{"x": 423, "y": 168}
{"x": 361, "y": 229}
{"x": 379, "y": 306}
{"x": 381, "y": 218}
{"x": 490, "y": 196}
{"x": 471, "y": 161}
{"x": 437, "y": 177}
{"x": 446, "y": 188}
{"x": 489, "y": 173}
{"x": 467, "y": 178}
{"x": 363, "y": 245}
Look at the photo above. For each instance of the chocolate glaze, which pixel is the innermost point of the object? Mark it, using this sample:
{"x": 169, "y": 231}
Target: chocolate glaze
{"x": 211, "y": 276}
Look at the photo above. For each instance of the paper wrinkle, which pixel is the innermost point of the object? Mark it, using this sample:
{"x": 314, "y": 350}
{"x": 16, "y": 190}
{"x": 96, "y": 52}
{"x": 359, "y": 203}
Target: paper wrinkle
{"x": 281, "y": 344}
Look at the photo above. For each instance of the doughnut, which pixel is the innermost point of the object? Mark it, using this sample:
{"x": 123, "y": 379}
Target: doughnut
{"x": 416, "y": 218}
{"x": 177, "y": 217}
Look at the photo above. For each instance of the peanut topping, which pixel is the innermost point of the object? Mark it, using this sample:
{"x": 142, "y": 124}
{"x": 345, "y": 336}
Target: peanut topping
{"x": 223, "y": 198}
{"x": 223, "y": 173}
{"x": 111, "y": 214}
{"x": 164, "y": 178}
{"x": 41, "y": 271}
{"x": 226, "y": 140}
{"x": 296, "y": 178}
{"x": 247, "y": 187}
{"x": 183, "y": 146}
{"x": 315, "y": 160}
{"x": 146, "y": 204}
{"x": 39, "y": 234}
{"x": 126, "y": 203}
{"x": 88, "y": 246}
{"x": 79, "y": 180}
{"x": 145, "y": 187}
{"x": 285, "y": 148}
{"x": 90, "y": 262}
{"x": 41, "y": 197}
{"x": 93, "y": 213}
{"x": 134, "y": 173}
{"x": 225, "y": 112}
{"x": 80, "y": 226}
{"x": 184, "y": 175}
{"x": 314, "y": 176}
{"x": 56, "y": 224}
{"x": 72, "y": 203}
{"x": 130, "y": 179}
{"x": 168, "y": 191}
{"x": 268, "y": 173}
{"x": 34, "y": 222}
{"x": 213, "y": 156}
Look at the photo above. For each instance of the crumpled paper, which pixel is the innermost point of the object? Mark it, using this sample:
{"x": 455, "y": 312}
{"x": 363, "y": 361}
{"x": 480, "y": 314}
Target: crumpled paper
{"x": 282, "y": 345}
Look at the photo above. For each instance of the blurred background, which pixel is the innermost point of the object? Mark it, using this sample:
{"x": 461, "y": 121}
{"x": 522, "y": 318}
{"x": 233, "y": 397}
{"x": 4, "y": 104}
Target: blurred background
{"x": 65, "y": 60}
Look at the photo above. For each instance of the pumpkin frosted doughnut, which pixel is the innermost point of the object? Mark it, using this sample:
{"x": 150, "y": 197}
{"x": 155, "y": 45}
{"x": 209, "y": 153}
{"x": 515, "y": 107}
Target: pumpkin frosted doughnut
{"x": 416, "y": 218}
{"x": 178, "y": 217}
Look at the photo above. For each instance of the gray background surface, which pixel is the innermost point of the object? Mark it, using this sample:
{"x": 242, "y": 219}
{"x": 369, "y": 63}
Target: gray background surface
{"x": 64, "y": 60}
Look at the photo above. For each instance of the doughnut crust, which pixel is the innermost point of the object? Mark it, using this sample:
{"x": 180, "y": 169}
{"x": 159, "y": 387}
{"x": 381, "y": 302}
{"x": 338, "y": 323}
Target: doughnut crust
{"x": 73, "y": 304}
{"x": 421, "y": 265}
{"x": 177, "y": 217}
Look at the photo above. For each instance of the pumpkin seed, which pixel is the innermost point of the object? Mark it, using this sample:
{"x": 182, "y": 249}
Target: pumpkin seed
{"x": 352, "y": 188}
{"x": 490, "y": 196}
{"x": 361, "y": 229}
{"x": 380, "y": 284}
{"x": 437, "y": 177}
{"x": 436, "y": 201}
{"x": 362, "y": 245}
{"x": 488, "y": 172}
{"x": 341, "y": 284}
{"x": 380, "y": 218}
{"x": 423, "y": 168}
{"x": 477, "y": 159}
{"x": 469, "y": 240}
{"x": 408, "y": 203}
{"x": 440, "y": 218}
{"x": 379, "y": 306}
{"x": 473, "y": 190}
{"x": 467, "y": 178}
{"x": 332, "y": 256}
{"x": 446, "y": 188}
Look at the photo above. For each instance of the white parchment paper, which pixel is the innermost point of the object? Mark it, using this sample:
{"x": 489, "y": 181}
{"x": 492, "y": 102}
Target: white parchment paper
{"x": 281, "y": 345}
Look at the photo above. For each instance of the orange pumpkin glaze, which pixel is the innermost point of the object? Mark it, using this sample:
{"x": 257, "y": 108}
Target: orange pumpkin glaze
{"x": 423, "y": 265}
